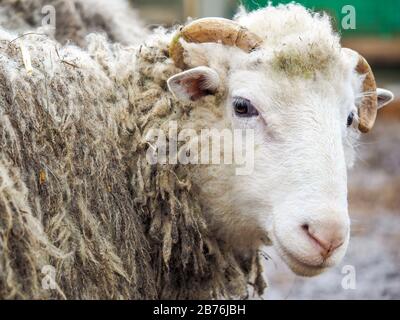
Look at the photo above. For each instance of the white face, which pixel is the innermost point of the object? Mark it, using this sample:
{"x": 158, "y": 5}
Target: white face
{"x": 304, "y": 132}
{"x": 304, "y": 135}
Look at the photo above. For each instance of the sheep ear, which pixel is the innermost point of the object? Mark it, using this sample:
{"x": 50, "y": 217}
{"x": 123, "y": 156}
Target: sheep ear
{"x": 193, "y": 84}
{"x": 384, "y": 97}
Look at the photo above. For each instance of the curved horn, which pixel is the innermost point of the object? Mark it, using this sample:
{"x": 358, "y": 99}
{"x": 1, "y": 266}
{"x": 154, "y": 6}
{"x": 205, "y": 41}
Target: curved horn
{"x": 368, "y": 109}
{"x": 369, "y": 105}
{"x": 218, "y": 30}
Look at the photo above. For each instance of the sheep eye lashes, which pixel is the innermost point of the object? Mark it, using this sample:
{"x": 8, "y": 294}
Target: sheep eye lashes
{"x": 244, "y": 108}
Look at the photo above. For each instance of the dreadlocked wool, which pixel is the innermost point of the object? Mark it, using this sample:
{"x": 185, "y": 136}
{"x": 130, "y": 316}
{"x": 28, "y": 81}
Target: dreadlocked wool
{"x": 79, "y": 203}
{"x": 74, "y": 19}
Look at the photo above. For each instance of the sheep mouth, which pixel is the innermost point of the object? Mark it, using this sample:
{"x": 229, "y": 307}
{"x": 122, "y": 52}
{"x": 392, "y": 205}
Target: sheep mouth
{"x": 302, "y": 269}
{"x": 297, "y": 266}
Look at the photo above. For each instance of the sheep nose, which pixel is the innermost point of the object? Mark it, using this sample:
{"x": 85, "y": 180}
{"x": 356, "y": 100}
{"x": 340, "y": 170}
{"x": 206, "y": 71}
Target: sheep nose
{"x": 327, "y": 237}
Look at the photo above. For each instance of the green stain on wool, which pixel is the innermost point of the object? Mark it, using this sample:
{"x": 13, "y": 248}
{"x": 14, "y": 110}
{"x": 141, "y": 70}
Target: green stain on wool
{"x": 174, "y": 42}
{"x": 176, "y": 38}
{"x": 298, "y": 64}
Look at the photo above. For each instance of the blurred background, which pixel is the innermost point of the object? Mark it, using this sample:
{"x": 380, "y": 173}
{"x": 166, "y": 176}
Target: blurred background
{"x": 374, "y": 184}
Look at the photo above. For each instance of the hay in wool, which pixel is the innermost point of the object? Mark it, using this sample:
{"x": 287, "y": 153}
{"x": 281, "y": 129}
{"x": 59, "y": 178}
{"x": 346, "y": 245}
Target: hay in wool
{"x": 76, "y": 191}
{"x": 75, "y": 19}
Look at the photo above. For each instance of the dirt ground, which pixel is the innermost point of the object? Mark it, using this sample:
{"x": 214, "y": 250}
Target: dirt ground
{"x": 374, "y": 251}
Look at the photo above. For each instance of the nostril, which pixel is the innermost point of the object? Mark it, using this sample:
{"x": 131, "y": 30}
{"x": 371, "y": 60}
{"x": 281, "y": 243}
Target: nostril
{"x": 305, "y": 227}
{"x": 316, "y": 240}
{"x": 326, "y": 244}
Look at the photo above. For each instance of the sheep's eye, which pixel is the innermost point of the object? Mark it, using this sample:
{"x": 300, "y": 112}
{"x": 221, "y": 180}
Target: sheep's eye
{"x": 244, "y": 108}
{"x": 350, "y": 119}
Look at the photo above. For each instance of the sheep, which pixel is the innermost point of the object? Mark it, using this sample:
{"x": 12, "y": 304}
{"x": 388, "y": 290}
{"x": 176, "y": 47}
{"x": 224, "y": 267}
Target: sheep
{"x": 282, "y": 73}
{"x": 79, "y": 198}
{"x": 74, "y": 19}
{"x": 77, "y": 193}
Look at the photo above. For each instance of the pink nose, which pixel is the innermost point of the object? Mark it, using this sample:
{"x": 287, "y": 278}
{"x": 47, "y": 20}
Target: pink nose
{"x": 328, "y": 237}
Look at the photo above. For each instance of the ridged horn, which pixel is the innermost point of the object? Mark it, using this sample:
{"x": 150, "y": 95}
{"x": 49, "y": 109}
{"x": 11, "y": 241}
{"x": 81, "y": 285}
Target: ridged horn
{"x": 368, "y": 108}
{"x": 212, "y": 30}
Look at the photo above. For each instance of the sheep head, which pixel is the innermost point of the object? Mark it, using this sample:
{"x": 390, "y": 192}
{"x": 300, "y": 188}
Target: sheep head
{"x": 307, "y": 100}
{"x": 230, "y": 33}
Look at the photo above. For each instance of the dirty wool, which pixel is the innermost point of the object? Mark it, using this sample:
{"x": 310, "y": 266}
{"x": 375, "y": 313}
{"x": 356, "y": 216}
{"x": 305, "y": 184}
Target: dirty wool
{"x": 74, "y": 19}
{"x": 77, "y": 194}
